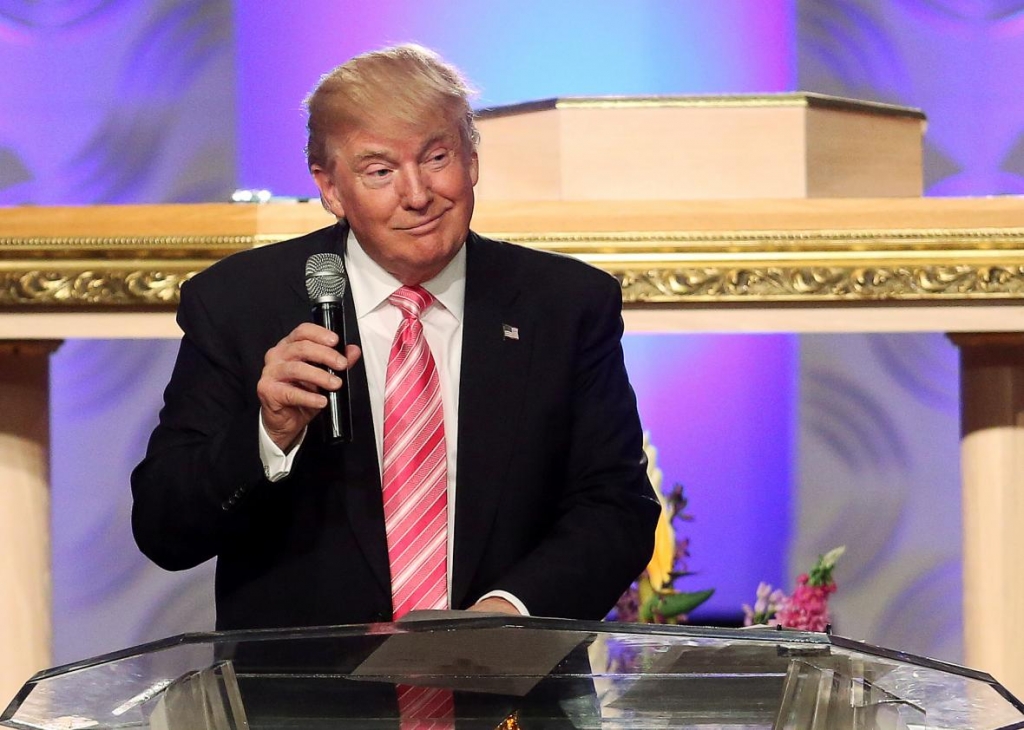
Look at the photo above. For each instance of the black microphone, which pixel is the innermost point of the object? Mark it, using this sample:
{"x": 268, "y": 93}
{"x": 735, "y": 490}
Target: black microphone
{"x": 325, "y": 285}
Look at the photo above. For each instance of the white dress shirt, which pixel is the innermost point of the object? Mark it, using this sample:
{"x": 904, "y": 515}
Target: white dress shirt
{"x": 378, "y": 322}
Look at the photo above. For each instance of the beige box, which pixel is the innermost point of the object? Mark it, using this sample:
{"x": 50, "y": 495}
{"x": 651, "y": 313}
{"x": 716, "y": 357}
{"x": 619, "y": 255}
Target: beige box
{"x": 795, "y": 145}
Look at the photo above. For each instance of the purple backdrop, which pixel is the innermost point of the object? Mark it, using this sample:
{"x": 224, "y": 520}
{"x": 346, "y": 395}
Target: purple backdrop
{"x": 183, "y": 100}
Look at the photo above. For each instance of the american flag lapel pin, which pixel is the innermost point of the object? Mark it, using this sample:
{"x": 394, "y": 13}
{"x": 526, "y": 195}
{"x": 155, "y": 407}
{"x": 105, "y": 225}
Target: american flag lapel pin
{"x": 510, "y": 332}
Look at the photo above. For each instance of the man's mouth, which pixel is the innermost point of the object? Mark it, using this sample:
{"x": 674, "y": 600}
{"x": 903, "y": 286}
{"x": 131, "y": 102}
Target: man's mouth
{"x": 424, "y": 227}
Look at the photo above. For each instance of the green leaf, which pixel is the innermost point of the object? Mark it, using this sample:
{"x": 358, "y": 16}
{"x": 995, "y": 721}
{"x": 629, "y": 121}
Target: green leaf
{"x": 821, "y": 573}
{"x": 678, "y": 603}
{"x": 646, "y": 613}
{"x": 645, "y": 589}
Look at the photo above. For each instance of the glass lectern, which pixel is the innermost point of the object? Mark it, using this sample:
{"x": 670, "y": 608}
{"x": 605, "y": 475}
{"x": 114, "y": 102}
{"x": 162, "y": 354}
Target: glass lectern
{"x": 510, "y": 673}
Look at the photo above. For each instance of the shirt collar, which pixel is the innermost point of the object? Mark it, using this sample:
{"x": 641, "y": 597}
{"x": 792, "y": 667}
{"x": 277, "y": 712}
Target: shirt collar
{"x": 371, "y": 285}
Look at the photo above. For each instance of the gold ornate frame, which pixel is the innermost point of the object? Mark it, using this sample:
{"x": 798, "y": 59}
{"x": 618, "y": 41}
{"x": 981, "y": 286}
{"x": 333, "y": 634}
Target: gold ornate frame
{"x": 783, "y": 264}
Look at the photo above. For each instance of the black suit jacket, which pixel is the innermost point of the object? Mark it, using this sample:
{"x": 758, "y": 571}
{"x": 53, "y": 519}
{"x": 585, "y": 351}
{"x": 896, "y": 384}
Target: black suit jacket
{"x": 552, "y": 499}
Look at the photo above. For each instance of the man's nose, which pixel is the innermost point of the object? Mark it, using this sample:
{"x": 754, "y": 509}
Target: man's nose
{"x": 416, "y": 192}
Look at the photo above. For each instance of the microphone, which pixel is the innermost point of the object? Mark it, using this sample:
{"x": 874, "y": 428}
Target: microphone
{"x": 325, "y": 285}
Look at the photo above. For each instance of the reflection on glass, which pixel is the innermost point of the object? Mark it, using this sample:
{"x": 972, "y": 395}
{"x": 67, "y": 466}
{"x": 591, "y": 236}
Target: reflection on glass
{"x": 513, "y": 673}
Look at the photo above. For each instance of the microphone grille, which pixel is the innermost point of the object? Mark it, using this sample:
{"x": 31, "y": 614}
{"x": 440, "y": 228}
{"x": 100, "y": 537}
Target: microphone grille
{"x": 325, "y": 278}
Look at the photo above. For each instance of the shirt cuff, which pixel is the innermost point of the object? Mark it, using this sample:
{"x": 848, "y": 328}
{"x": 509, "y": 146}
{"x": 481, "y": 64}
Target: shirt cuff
{"x": 519, "y": 605}
{"x": 276, "y": 464}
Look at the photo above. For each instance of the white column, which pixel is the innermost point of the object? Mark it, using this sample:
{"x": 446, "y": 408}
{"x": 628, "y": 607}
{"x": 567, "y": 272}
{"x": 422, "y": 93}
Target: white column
{"x": 992, "y": 467}
{"x": 24, "y": 512}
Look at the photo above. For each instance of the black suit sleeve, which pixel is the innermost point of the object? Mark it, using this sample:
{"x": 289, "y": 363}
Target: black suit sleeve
{"x": 604, "y": 512}
{"x": 203, "y": 457}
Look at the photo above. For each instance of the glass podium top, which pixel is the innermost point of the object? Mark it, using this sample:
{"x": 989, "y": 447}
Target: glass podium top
{"x": 484, "y": 671}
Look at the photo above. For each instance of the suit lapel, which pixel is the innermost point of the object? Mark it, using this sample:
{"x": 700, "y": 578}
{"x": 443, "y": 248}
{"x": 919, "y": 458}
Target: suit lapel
{"x": 363, "y": 497}
{"x": 495, "y": 367}
{"x": 359, "y": 473}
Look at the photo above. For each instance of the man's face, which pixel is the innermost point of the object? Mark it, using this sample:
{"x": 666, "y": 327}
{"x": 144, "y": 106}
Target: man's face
{"x": 406, "y": 192}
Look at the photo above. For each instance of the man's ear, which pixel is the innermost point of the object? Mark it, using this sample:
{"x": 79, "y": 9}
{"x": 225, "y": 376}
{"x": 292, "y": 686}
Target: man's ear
{"x": 474, "y": 167}
{"x": 329, "y": 197}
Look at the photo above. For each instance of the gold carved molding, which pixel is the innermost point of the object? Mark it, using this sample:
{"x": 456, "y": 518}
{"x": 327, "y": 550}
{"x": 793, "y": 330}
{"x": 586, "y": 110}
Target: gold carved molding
{"x": 144, "y": 272}
{"x": 760, "y": 267}
{"x": 663, "y": 253}
{"x": 92, "y": 287}
{"x": 808, "y": 266}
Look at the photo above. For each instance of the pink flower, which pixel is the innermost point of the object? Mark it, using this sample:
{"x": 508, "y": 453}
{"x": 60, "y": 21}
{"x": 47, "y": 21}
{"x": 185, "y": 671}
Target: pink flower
{"x": 768, "y": 602}
{"x": 807, "y": 608}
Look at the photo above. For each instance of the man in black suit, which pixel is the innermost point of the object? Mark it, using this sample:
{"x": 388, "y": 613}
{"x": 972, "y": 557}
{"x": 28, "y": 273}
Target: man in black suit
{"x": 551, "y": 510}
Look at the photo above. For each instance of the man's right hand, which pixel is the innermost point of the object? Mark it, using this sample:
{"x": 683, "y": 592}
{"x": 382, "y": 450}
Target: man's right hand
{"x": 293, "y": 376}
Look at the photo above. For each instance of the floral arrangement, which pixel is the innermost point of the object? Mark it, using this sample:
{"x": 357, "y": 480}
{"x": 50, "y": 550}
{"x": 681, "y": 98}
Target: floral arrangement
{"x": 653, "y": 597}
{"x": 807, "y": 608}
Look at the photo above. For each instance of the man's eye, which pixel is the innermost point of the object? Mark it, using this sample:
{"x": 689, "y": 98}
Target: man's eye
{"x": 439, "y": 158}
{"x": 377, "y": 176}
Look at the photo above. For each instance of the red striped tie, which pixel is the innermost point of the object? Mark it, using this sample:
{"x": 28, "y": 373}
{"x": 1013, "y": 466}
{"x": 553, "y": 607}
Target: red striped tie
{"x": 415, "y": 471}
{"x": 425, "y": 708}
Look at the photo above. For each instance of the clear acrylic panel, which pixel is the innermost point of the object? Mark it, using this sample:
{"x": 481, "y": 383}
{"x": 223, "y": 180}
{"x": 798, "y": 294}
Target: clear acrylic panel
{"x": 513, "y": 673}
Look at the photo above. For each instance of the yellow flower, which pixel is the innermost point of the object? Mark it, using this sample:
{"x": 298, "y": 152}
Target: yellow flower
{"x": 664, "y": 536}
{"x": 664, "y": 550}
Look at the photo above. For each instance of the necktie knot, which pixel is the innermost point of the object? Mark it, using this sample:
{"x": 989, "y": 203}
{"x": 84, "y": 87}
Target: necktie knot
{"x": 412, "y": 300}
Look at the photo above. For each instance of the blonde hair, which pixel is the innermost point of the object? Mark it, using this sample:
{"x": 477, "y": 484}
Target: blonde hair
{"x": 405, "y": 83}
